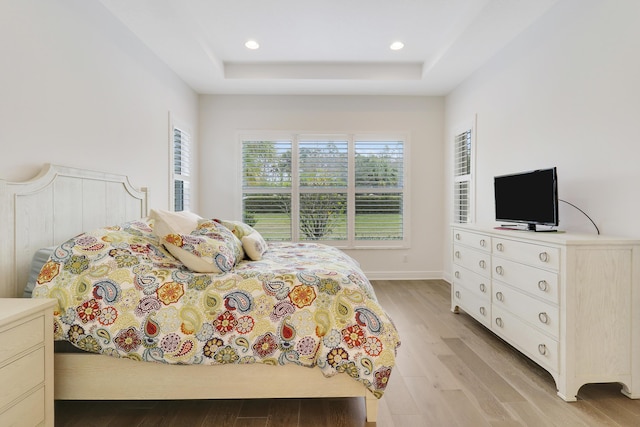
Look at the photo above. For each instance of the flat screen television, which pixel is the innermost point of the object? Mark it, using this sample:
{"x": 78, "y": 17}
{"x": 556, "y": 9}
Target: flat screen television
{"x": 528, "y": 197}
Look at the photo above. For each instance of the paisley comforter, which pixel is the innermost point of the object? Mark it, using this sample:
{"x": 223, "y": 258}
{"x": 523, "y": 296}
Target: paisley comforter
{"x": 120, "y": 293}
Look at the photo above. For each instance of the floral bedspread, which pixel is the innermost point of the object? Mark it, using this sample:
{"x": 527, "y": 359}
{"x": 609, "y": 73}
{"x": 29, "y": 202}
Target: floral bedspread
{"x": 120, "y": 293}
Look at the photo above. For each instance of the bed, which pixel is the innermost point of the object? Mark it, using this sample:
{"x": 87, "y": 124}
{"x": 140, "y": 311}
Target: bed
{"x": 77, "y": 211}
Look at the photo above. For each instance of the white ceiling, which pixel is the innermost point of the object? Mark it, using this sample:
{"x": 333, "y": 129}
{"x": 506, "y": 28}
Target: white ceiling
{"x": 326, "y": 46}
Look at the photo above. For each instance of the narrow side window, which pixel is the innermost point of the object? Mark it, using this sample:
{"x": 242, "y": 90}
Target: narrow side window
{"x": 180, "y": 168}
{"x": 462, "y": 177}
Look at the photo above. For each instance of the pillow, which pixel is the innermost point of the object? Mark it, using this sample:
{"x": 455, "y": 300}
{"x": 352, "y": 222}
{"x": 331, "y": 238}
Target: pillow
{"x": 167, "y": 222}
{"x": 39, "y": 259}
{"x": 254, "y": 246}
{"x": 200, "y": 254}
{"x": 238, "y": 228}
{"x": 210, "y": 248}
{"x": 215, "y": 230}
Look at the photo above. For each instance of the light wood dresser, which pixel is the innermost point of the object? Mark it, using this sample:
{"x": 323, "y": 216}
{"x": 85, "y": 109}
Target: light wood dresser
{"x": 569, "y": 302}
{"x": 26, "y": 362}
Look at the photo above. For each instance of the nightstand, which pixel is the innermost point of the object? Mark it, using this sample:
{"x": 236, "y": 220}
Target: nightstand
{"x": 26, "y": 362}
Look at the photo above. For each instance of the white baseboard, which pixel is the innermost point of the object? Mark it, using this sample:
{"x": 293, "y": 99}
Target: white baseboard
{"x": 404, "y": 275}
{"x": 447, "y": 277}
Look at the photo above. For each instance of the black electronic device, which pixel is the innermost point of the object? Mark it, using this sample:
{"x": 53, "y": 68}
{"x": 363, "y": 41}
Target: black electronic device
{"x": 529, "y": 198}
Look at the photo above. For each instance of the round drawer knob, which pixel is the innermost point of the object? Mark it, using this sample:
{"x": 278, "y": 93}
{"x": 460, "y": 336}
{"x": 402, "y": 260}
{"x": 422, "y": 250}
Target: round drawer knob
{"x": 457, "y": 254}
{"x": 483, "y": 243}
{"x": 457, "y": 236}
{"x": 543, "y": 317}
{"x": 482, "y": 263}
{"x": 543, "y": 285}
{"x": 500, "y": 270}
{"x": 544, "y": 257}
{"x": 500, "y": 247}
{"x": 457, "y": 274}
{"x": 499, "y": 322}
{"x": 457, "y": 294}
{"x": 542, "y": 349}
{"x": 499, "y": 296}
{"x": 483, "y": 288}
{"x": 483, "y": 311}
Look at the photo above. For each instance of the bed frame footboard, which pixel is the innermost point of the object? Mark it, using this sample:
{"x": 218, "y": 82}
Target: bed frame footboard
{"x": 108, "y": 378}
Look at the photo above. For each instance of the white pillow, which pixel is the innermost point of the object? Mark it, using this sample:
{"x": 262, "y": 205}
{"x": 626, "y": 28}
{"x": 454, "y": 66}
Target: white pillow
{"x": 254, "y": 246}
{"x": 167, "y": 222}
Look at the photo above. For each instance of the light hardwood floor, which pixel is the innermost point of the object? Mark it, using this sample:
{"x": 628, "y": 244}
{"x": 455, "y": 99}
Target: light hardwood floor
{"x": 450, "y": 372}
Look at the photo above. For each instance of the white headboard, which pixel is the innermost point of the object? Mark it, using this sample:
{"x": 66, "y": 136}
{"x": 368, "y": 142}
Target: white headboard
{"x": 57, "y": 204}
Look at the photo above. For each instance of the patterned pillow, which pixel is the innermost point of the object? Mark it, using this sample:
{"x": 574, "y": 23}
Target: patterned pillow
{"x": 238, "y": 228}
{"x": 210, "y": 248}
{"x": 200, "y": 254}
{"x": 254, "y": 246}
{"x": 215, "y": 230}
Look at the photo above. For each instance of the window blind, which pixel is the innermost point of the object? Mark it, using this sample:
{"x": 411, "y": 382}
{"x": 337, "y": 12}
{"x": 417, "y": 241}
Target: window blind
{"x": 462, "y": 177}
{"x": 462, "y": 154}
{"x": 266, "y": 188}
{"x": 181, "y": 169}
{"x": 461, "y": 200}
{"x": 379, "y": 182}
{"x": 323, "y": 177}
{"x": 323, "y": 164}
{"x": 336, "y": 189}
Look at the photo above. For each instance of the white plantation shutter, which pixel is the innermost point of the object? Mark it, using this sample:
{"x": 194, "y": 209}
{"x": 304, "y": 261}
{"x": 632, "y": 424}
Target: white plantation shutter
{"x": 323, "y": 176}
{"x": 181, "y": 169}
{"x": 379, "y": 190}
{"x": 462, "y": 163}
{"x": 323, "y": 164}
{"x": 266, "y": 187}
{"x": 340, "y": 189}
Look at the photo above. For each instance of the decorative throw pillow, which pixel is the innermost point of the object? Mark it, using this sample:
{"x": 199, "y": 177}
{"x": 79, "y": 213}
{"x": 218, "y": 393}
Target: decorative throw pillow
{"x": 215, "y": 230}
{"x": 238, "y": 228}
{"x": 254, "y": 246}
{"x": 201, "y": 254}
{"x": 167, "y": 222}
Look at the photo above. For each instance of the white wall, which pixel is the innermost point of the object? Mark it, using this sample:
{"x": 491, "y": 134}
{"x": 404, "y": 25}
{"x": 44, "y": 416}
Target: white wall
{"x": 78, "y": 89}
{"x": 566, "y": 93}
{"x": 222, "y": 117}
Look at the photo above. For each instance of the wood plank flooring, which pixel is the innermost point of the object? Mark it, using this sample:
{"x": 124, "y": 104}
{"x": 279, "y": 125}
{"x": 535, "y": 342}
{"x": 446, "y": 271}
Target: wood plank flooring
{"x": 450, "y": 372}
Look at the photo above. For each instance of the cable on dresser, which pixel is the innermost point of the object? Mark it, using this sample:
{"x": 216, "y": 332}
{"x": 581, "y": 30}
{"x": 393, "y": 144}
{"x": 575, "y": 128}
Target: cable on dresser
{"x": 571, "y": 204}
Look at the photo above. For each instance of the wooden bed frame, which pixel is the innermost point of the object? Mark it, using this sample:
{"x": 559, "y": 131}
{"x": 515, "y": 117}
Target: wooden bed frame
{"x": 61, "y": 202}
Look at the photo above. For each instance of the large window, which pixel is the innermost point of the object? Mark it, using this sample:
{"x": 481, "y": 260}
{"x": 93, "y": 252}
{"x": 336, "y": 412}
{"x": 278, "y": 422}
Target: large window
{"x": 345, "y": 189}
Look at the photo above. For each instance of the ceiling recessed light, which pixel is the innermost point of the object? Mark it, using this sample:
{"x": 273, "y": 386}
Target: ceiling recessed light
{"x": 252, "y": 44}
{"x": 396, "y": 46}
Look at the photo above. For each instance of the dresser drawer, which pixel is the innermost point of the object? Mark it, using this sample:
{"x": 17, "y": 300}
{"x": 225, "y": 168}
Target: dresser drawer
{"x": 535, "y": 281}
{"x": 476, "y": 261}
{"x": 23, "y": 374}
{"x": 542, "y": 315}
{"x": 20, "y": 337}
{"x": 27, "y": 412}
{"x": 479, "y": 309}
{"x": 474, "y": 282}
{"x": 528, "y": 253}
{"x": 474, "y": 240}
{"x": 538, "y": 346}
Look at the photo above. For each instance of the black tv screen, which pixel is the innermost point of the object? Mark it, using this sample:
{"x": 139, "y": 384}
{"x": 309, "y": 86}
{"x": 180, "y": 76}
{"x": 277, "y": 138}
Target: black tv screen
{"x": 527, "y": 197}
